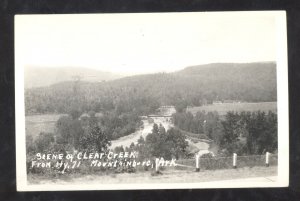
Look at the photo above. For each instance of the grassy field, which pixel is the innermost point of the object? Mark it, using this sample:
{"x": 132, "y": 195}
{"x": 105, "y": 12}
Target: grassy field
{"x": 40, "y": 123}
{"x": 167, "y": 176}
{"x": 222, "y": 109}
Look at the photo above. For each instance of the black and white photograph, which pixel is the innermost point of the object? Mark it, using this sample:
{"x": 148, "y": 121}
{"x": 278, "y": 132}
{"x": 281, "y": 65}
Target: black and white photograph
{"x": 151, "y": 101}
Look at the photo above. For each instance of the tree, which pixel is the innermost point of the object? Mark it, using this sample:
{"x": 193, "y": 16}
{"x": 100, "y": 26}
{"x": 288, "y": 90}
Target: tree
{"x": 262, "y": 135}
{"x": 131, "y": 146}
{"x": 44, "y": 141}
{"x": 161, "y": 130}
{"x": 178, "y": 143}
{"x": 141, "y": 140}
{"x": 230, "y": 137}
{"x": 155, "y": 129}
{"x": 69, "y": 131}
{"x": 153, "y": 142}
{"x": 143, "y": 151}
{"x": 63, "y": 126}
{"x": 218, "y": 133}
{"x": 95, "y": 140}
{"x": 181, "y": 106}
{"x": 166, "y": 144}
{"x": 119, "y": 149}
{"x": 248, "y": 133}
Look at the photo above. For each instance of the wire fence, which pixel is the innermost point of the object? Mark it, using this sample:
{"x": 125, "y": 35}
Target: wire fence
{"x": 214, "y": 163}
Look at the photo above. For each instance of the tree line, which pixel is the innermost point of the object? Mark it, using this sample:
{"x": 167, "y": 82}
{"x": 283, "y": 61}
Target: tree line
{"x": 245, "y": 133}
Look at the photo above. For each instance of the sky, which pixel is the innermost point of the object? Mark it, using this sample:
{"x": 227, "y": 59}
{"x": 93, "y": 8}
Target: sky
{"x": 144, "y": 43}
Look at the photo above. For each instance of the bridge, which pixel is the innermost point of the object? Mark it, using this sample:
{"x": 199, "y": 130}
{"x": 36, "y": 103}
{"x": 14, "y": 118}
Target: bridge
{"x": 158, "y": 115}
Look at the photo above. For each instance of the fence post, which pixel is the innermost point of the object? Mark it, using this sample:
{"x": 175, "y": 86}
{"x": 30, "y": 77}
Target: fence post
{"x": 234, "y": 160}
{"x": 157, "y": 165}
{"x": 197, "y": 162}
{"x": 267, "y": 159}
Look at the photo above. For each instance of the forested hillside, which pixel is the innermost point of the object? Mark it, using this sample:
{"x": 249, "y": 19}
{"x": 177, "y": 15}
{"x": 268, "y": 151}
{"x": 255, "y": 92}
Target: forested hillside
{"x": 253, "y": 82}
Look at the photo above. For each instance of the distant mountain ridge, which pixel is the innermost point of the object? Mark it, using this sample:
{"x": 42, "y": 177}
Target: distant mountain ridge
{"x": 238, "y": 67}
{"x": 250, "y": 74}
{"x": 41, "y": 77}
